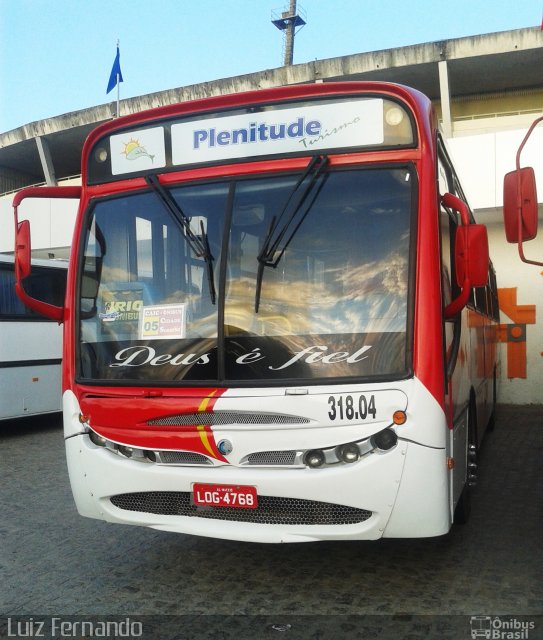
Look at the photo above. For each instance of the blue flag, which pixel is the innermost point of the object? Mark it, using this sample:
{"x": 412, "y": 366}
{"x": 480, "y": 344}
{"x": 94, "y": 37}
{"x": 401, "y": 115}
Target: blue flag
{"x": 116, "y": 75}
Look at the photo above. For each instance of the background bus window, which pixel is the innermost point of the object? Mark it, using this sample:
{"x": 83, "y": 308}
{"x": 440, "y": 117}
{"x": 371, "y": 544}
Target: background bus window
{"x": 45, "y": 284}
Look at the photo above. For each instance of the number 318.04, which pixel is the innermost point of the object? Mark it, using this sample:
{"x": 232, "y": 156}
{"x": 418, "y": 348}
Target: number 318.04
{"x": 347, "y": 407}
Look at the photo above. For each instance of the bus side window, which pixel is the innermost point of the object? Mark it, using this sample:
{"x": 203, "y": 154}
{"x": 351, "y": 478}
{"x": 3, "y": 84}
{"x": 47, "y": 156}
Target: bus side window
{"x": 448, "y": 225}
{"x": 9, "y": 302}
{"x": 44, "y": 283}
{"x": 448, "y": 229}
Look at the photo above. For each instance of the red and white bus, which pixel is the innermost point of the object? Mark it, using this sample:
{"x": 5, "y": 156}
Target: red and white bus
{"x": 279, "y": 319}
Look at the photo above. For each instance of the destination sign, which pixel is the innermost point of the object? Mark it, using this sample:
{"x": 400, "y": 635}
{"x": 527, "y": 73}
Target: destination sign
{"x": 308, "y": 127}
{"x": 304, "y": 128}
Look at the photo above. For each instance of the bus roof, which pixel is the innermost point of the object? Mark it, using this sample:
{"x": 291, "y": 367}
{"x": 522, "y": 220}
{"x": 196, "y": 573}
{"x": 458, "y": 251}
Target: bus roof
{"x": 38, "y": 262}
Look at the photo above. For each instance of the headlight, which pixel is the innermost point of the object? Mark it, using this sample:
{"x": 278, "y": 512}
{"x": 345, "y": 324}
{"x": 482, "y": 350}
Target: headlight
{"x": 348, "y": 452}
{"x": 314, "y": 458}
{"x": 97, "y": 440}
{"x": 128, "y": 452}
{"x": 384, "y": 440}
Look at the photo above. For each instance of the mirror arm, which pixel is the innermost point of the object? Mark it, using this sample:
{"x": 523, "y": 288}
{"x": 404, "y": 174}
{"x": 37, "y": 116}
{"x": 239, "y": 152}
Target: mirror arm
{"x": 455, "y": 306}
{"x": 46, "y": 192}
{"x": 519, "y": 194}
{"x": 520, "y": 245}
{"x": 453, "y": 202}
{"x": 43, "y": 308}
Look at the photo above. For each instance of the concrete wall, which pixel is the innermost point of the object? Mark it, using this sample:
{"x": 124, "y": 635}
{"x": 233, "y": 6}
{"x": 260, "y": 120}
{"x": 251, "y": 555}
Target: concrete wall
{"x": 521, "y": 316}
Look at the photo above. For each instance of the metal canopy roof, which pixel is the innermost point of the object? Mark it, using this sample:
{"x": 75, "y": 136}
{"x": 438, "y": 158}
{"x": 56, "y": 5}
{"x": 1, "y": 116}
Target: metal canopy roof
{"x": 485, "y": 64}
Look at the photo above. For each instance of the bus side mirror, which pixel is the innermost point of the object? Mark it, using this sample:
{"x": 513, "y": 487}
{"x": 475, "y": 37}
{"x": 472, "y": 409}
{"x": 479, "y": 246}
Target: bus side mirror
{"x": 520, "y": 201}
{"x": 471, "y": 255}
{"x": 22, "y": 250}
{"x": 23, "y": 269}
{"x": 23, "y": 254}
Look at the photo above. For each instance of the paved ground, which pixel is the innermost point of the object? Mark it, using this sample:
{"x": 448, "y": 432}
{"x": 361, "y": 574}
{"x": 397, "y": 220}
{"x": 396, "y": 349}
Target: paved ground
{"x": 55, "y": 565}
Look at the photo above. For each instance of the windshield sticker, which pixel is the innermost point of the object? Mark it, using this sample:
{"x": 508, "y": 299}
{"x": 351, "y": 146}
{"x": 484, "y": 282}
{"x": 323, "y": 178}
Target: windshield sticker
{"x": 109, "y": 315}
{"x": 144, "y": 355}
{"x": 122, "y": 308}
{"x": 246, "y": 358}
{"x": 138, "y": 150}
{"x": 311, "y": 127}
{"x": 162, "y": 322}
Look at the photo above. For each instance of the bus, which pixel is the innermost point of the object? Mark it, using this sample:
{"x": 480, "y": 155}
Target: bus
{"x": 30, "y": 344}
{"x": 279, "y": 320}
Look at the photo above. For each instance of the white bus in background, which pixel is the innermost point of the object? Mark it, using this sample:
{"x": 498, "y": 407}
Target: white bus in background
{"x": 30, "y": 345}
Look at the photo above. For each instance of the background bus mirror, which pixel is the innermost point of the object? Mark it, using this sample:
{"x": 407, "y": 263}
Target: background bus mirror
{"x": 22, "y": 250}
{"x": 520, "y": 199}
{"x": 472, "y": 255}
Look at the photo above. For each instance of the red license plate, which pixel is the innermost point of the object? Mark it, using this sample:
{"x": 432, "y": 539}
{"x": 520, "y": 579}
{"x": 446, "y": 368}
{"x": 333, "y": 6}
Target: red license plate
{"x": 224, "y": 495}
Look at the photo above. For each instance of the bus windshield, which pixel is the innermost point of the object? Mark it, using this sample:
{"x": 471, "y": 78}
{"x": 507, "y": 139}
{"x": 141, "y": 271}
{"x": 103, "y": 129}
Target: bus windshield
{"x": 246, "y": 279}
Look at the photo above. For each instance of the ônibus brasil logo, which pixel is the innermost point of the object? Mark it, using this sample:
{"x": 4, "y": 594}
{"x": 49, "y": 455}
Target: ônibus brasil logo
{"x": 499, "y": 628}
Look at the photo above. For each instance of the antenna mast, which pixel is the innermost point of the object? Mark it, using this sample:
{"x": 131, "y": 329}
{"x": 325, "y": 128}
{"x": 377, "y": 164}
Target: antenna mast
{"x": 287, "y": 21}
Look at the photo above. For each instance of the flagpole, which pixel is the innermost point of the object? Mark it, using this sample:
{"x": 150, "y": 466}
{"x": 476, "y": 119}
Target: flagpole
{"x": 118, "y": 87}
{"x": 115, "y": 78}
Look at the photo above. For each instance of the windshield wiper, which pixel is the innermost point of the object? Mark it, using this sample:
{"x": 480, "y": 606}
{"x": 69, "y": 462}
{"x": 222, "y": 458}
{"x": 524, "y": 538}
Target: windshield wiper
{"x": 200, "y": 246}
{"x": 280, "y": 235}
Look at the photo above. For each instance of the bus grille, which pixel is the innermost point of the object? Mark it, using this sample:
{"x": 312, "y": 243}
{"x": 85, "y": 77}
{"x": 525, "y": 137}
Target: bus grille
{"x": 270, "y": 510}
{"x": 223, "y": 418}
{"x": 280, "y": 458}
{"x": 183, "y": 457}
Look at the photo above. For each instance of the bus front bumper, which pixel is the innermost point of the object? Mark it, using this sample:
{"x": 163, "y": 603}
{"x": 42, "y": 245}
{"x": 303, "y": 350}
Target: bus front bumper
{"x": 381, "y": 495}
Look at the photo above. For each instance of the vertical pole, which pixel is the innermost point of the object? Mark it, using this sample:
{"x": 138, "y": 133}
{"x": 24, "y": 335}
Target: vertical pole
{"x": 46, "y": 161}
{"x": 445, "y": 95}
{"x": 118, "y": 87}
{"x": 289, "y": 34}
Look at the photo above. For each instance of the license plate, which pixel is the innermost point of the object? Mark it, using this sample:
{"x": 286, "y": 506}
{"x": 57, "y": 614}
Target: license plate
{"x": 224, "y": 495}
